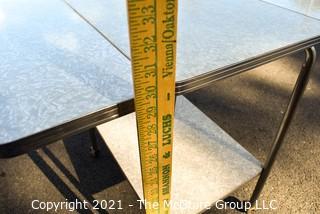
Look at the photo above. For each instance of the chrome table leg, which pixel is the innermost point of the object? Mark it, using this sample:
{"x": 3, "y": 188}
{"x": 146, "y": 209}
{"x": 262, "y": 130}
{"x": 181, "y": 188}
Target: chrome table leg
{"x": 301, "y": 83}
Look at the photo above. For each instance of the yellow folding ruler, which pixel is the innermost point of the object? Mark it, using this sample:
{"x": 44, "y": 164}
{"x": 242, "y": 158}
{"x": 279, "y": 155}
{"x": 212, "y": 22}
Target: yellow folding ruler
{"x": 153, "y": 30}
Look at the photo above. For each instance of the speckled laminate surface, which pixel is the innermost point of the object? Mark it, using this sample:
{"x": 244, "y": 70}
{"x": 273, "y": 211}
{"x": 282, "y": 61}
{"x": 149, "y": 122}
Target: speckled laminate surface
{"x": 207, "y": 163}
{"x": 211, "y": 34}
{"x": 53, "y": 68}
{"x": 308, "y": 7}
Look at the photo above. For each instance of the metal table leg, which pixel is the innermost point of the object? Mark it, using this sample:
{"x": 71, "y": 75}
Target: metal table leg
{"x": 94, "y": 150}
{"x": 301, "y": 83}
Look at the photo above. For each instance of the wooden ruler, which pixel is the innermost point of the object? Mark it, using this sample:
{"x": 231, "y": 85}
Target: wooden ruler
{"x": 153, "y": 30}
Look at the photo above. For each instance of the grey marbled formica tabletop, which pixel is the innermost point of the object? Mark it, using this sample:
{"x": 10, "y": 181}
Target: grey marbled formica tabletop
{"x": 53, "y": 68}
{"x": 307, "y": 7}
{"x": 211, "y": 34}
